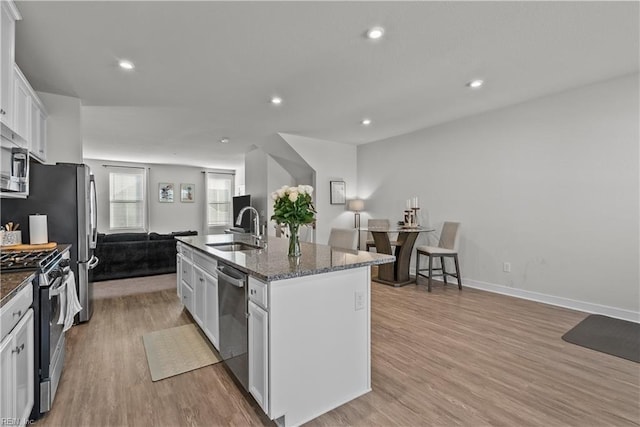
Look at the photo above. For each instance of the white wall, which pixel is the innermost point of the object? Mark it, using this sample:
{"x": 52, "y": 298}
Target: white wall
{"x": 332, "y": 161}
{"x": 550, "y": 185}
{"x": 64, "y": 128}
{"x": 163, "y": 217}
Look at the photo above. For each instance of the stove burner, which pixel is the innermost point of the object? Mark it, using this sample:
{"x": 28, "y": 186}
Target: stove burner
{"x": 26, "y": 260}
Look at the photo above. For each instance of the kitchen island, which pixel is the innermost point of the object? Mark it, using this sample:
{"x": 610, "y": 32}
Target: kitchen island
{"x": 309, "y": 320}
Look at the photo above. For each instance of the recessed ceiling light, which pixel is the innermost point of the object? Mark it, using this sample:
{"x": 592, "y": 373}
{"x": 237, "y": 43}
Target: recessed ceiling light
{"x": 276, "y": 100}
{"x": 365, "y": 122}
{"x": 475, "y": 84}
{"x": 375, "y": 33}
{"x": 224, "y": 140}
{"x": 127, "y": 65}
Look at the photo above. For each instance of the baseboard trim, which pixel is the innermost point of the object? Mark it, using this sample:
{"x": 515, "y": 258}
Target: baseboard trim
{"x": 588, "y": 307}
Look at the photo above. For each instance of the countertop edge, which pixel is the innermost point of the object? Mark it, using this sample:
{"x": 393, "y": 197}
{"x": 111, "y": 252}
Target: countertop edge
{"x": 27, "y": 280}
{"x": 377, "y": 260}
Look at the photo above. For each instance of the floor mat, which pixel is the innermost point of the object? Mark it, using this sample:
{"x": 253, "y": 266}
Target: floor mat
{"x": 177, "y": 350}
{"x": 617, "y": 337}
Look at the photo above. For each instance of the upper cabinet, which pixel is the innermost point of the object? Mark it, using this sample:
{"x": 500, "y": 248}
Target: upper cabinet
{"x": 9, "y": 15}
{"x": 22, "y": 115}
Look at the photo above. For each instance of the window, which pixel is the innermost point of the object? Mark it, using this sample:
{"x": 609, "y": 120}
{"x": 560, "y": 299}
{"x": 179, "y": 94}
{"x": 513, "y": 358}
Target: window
{"x": 127, "y": 205}
{"x": 219, "y": 194}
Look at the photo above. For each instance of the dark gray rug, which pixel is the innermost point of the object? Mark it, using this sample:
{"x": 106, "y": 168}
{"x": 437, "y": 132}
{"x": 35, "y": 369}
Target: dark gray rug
{"x": 608, "y": 335}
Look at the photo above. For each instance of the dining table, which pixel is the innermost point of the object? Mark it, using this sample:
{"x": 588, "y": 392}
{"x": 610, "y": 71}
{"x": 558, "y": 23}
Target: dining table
{"x": 396, "y": 273}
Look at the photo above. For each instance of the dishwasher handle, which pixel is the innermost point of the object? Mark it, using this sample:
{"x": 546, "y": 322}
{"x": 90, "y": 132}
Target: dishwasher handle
{"x": 230, "y": 280}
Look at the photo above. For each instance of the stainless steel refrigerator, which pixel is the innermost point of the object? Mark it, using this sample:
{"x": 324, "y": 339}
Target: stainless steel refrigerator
{"x": 65, "y": 192}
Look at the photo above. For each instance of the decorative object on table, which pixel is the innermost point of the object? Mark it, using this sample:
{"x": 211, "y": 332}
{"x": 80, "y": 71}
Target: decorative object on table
{"x": 165, "y": 192}
{"x": 411, "y": 212}
{"x": 187, "y": 193}
{"x": 38, "y": 232}
{"x": 338, "y": 193}
{"x": 292, "y": 208}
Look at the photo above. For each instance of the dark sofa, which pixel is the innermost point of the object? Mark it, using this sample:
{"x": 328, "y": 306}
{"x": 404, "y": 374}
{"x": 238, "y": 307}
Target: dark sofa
{"x": 124, "y": 255}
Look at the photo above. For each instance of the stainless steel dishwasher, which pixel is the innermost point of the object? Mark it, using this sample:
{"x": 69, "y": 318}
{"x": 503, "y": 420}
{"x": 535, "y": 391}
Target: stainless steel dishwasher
{"x": 232, "y": 309}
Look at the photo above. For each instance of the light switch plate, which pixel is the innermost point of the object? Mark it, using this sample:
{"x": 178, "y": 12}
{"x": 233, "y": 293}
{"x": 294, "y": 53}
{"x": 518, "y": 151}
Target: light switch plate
{"x": 360, "y": 302}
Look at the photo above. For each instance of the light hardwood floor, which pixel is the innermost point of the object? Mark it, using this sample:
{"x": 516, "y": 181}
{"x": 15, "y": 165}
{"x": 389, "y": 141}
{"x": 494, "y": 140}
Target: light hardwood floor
{"x": 445, "y": 358}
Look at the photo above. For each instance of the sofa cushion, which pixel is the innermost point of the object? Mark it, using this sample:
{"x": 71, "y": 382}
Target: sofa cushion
{"x": 157, "y": 236}
{"x": 185, "y": 233}
{"x": 125, "y": 237}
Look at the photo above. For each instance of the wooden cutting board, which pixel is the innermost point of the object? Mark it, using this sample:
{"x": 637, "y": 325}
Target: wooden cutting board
{"x": 41, "y": 247}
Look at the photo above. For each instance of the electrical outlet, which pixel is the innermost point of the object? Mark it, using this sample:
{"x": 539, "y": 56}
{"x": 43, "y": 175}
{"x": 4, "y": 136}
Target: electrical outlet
{"x": 506, "y": 267}
{"x": 359, "y": 300}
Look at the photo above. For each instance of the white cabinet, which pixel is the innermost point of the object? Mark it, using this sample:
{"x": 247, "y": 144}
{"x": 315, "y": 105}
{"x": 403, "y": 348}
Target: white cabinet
{"x": 211, "y": 323}
{"x": 38, "y": 134}
{"x": 179, "y": 275}
{"x": 17, "y": 372}
{"x": 198, "y": 292}
{"x": 8, "y": 16}
{"x": 197, "y": 283}
{"x": 259, "y": 355}
{"x": 21, "y": 107}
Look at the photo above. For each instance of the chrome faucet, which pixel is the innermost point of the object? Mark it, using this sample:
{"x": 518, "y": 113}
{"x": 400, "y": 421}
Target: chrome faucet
{"x": 256, "y": 221}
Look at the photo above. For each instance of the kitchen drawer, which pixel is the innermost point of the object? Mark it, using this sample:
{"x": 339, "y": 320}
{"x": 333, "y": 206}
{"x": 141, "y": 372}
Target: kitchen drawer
{"x": 187, "y": 297}
{"x": 258, "y": 292}
{"x": 13, "y": 311}
{"x": 183, "y": 249}
{"x": 206, "y": 263}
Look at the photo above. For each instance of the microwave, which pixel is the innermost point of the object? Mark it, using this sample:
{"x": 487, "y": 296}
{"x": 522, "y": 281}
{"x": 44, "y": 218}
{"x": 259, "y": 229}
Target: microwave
{"x": 14, "y": 172}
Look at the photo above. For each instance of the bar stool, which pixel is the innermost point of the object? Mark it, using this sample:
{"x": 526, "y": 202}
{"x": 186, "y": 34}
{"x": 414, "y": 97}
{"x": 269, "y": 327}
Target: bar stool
{"x": 345, "y": 238}
{"x": 447, "y": 247}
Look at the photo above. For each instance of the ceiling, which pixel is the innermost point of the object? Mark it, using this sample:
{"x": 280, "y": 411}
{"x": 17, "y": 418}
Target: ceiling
{"x": 206, "y": 70}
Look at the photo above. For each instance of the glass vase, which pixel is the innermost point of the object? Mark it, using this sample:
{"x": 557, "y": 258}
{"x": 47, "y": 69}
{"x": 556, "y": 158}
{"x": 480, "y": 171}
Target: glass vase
{"x": 294, "y": 241}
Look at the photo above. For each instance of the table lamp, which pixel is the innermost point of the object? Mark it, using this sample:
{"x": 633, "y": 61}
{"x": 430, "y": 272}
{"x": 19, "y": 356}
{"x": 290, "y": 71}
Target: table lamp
{"x": 356, "y": 205}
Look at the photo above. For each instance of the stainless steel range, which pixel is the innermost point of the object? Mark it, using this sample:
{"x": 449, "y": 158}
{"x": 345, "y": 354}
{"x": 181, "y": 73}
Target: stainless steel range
{"x": 53, "y": 268}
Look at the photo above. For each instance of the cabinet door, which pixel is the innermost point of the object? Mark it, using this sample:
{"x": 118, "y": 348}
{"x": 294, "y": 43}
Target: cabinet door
{"x": 259, "y": 355}
{"x": 211, "y": 327}
{"x": 7, "y": 379}
{"x": 179, "y": 275}
{"x": 22, "y": 109}
{"x": 199, "y": 297}
{"x": 23, "y": 338}
{"x": 187, "y": 271}
{"x": 7, "y": 37}
{"x": 42, "y": 136}
{"x": 187, "y": 297}
{"x": 37, "y": 139}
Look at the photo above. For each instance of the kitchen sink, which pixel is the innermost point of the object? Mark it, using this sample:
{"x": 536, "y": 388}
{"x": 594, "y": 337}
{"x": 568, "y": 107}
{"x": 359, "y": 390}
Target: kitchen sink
{"x": 233, "y": 247}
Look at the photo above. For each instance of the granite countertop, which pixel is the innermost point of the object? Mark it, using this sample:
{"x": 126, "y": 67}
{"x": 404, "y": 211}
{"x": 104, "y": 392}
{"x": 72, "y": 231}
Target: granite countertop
{"x": 272, "y": 263}
{"x": 12, "y": 283}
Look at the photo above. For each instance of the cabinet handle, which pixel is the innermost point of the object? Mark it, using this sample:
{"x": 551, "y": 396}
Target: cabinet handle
{"x": 17, "y": 313}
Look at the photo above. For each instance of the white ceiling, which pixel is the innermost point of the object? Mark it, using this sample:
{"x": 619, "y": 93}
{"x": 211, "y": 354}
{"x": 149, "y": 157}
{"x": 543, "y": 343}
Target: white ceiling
{"x": 206, "y": 70}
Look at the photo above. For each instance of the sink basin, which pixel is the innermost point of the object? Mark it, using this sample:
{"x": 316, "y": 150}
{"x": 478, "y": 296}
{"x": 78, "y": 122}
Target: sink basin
{"x": 233, "y": 247}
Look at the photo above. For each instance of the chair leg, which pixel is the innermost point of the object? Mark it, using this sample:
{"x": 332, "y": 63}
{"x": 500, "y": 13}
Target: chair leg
{"x": 444, "y": 272}
{"x": 459, "y": 276}
{"x": 430, "y": 273}
{"x": 417, "y": 266}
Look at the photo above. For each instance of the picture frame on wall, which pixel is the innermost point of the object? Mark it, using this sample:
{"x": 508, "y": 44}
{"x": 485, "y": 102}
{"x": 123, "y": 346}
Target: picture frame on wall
{"x": 187, "y": 193}
{"x": 338, "y": 193}
{"x": 165, "y": 192}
